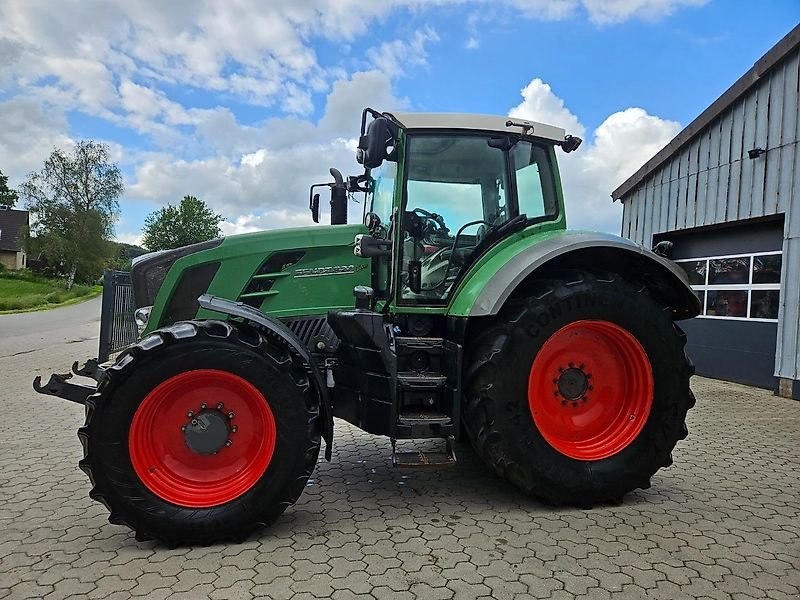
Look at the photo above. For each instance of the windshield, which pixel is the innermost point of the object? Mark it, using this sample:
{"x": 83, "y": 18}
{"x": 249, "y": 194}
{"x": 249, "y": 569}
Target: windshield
{"x": 459, "y": 192}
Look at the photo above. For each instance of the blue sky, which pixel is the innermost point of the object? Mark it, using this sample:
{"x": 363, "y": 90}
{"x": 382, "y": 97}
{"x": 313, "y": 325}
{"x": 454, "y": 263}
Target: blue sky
{"x": 246, "y": 103}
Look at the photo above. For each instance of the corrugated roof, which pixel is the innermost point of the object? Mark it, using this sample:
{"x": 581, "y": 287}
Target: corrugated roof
{"x": 11, "y": 223}
{"x": 745, "y": 82}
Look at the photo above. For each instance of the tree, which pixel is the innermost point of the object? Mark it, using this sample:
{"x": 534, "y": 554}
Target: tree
{"x": 74, "y": 202}
{"x": 7, "y": 197}
{"x": 174, "y": 226}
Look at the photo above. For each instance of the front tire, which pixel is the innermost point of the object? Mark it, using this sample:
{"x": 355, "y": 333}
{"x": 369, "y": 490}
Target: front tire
{"x": 202, "y": 432}
{"x": 578, "y": 391}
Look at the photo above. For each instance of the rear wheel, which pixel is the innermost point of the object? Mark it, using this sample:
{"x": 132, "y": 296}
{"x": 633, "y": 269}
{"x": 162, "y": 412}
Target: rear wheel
{"x": 202, "y": 432}
{"x": 577, "y": 392}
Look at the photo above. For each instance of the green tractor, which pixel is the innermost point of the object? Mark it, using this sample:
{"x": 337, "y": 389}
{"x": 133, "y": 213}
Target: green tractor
{"x": 460, "y": 308}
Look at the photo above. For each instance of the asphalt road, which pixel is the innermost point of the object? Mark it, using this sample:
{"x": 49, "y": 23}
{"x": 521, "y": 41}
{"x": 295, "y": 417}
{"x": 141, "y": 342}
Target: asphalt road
{"x": 722, "y": 523}
{"x": 34, "y": 331}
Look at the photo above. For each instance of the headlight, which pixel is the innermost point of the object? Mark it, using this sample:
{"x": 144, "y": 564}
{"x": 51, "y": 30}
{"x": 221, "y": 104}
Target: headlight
{"x": 142, "y": 316}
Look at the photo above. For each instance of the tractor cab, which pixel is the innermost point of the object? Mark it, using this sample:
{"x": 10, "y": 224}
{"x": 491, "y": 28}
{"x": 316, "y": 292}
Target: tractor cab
{"x": 442, "y": 189}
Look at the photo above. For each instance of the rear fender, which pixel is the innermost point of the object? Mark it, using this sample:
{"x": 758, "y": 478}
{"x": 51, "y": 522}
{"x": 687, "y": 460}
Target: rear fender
{"x": 273, "y": 327}
{"x": 495, "y": 280}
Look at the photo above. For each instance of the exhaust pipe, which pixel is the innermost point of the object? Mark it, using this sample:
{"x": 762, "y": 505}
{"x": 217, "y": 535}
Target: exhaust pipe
{"x": 338, "y": 199}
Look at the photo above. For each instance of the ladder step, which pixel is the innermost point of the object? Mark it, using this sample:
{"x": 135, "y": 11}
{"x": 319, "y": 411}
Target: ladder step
{"x": 425, "y": 458}
{"x": 423, "y": 418}
{"x": 417, "y": 380}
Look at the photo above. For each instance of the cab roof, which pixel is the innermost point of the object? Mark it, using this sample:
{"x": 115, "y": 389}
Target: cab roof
{"x": 479, "y": 122}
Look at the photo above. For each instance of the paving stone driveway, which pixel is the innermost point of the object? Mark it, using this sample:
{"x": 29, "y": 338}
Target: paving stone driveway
{"x": 723, "y": 522}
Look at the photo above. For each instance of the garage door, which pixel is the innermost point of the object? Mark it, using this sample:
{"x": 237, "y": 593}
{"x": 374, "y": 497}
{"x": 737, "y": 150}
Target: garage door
{"x": 736, "y": 273}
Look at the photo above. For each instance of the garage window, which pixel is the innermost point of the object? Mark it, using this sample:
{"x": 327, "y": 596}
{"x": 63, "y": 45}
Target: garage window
{"x": 742, "y": 287}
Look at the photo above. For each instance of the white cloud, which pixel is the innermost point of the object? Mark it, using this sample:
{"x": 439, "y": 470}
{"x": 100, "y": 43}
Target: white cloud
{"x": 28, "y": 134}
{"x": 395, "y": 58}
{"x": 270, "y": 219}
{"x": 262, "y": 180}
{"x": 348, "y": 97}
{"x": 539, "y": 103}
{"x": 119, "y": 59}
{"x": 129, "y": 238}
{"x": 617, "y": 148}
{"x": 602, "y": 12}
{"x": 605, "y": 12}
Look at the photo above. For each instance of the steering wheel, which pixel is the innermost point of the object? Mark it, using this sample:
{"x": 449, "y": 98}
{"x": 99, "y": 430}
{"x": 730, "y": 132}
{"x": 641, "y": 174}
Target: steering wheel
{"x": 432, "y": 225}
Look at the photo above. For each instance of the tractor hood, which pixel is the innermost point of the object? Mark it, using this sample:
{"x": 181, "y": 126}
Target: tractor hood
{"x": 283, "y": 272}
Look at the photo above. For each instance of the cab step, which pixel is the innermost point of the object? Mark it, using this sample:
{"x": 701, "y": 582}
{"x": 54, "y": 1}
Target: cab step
{"x": 425, "y": 458}
{"x": 423, "y": 418}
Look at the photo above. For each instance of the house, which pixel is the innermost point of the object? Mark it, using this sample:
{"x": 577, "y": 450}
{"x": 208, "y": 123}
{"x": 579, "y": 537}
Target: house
{"x": 13, "y": 224}
{"x": 726, "y": 193}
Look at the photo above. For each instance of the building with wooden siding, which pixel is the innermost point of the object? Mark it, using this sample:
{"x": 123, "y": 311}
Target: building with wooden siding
{"x": 726, "y": 193}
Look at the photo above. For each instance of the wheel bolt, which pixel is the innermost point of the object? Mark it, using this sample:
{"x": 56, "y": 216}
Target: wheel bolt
{"x": 203, "y": 406}
{"x": 190, "y": 414}
{"x": 556, "y": 394}
{"x": 563, "y": 403}
{"x": 590, "y": 388}
{"x": 571, "y": 365}
{"x": 219, "y": 406}
{"x": 230, "y": 415}
{"x": 555, "y": 381}
{"x": 574, "y": 405}
{"x": 234, "y": 429}
{"x": 183, "y": 427}
{"x": 228, "y": 443}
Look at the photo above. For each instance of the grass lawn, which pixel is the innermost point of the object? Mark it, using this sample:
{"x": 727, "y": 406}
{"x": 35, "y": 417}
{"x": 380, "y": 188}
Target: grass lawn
{"x": 27, "y": 292}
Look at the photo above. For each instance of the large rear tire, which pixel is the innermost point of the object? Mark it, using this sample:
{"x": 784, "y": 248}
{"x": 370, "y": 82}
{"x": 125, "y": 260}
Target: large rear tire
{"x": 202, "y": 432}
{"x": 577, "y": 391}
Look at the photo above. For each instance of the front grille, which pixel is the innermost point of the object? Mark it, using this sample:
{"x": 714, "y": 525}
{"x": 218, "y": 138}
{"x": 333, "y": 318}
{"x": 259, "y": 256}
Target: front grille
{"x": 117, "y": 325}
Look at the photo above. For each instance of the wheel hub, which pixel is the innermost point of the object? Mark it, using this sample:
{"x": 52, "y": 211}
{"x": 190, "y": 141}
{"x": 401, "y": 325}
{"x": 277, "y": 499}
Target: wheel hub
{"x": 207, "y": 432}
{"x": 573, "y": 383}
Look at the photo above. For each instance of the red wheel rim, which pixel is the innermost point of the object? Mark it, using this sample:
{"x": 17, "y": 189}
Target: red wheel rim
{"x": 160, "y": 448}
{"x": 590, "y": 389}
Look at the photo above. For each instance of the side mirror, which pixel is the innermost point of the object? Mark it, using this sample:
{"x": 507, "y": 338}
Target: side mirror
{"x": 372, "y": 147}
{"x": 314, "y": 206}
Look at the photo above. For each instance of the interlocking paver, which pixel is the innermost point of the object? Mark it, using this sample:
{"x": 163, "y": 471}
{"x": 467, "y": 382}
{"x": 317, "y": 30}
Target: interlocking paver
{"x": 722, "y": 523}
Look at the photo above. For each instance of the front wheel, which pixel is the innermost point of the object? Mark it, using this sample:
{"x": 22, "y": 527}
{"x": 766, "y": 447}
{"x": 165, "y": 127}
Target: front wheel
{"x": 202, "y": 432}
{"x": 578, "y": 391}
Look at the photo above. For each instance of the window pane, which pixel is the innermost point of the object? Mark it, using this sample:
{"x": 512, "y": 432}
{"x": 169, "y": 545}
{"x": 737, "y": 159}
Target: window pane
{"x": 696, "y": 270}
{"x": 764, "y": 304}
{"x": 530, "y": 163}
{"x": 767, "y": 269}
{"x": 729, "y": 270}
{"x": 726, "y": 303}
{"x": 701, "y": 295}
